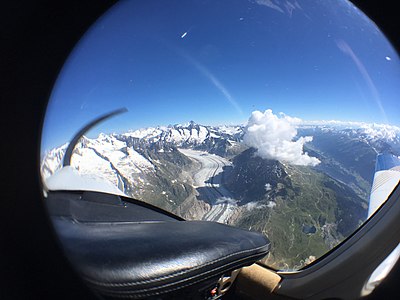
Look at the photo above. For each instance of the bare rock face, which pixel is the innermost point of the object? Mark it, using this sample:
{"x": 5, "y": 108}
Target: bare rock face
{"x": 207, "y": 173}
{"x": 193, "y": 209}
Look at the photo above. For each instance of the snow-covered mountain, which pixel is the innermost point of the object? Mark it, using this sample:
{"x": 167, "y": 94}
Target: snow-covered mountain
{"x": 151, "y": 165}
{"x": 370, "y": 132}
{"x": 188, "y": 134}
{"x": 131, "y": 160}
{"x": 146, "y": 163}
{"x": 123, "y": 153}
{"x": 222, "y": 140}
{"x": 52, "y": 161}
{"x": 106, "y": 156}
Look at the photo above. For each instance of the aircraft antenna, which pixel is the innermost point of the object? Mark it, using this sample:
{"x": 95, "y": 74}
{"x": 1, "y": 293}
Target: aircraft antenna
{"x": 80, "y": 133}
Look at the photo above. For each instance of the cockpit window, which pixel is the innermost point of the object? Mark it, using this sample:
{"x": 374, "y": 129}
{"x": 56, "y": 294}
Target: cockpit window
{"x": 280, "y": 117}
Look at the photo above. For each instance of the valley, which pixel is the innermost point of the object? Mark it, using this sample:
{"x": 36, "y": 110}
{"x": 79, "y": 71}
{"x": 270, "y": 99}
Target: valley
{"x": 210, "y": 186}
{"x": 208, "y": 173}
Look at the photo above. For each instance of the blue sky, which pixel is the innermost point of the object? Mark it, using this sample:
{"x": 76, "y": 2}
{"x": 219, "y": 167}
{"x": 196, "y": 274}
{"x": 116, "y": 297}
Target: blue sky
{"x": 215, "y": 62}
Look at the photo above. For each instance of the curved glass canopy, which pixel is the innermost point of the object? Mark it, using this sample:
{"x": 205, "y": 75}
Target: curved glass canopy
{"x": 262, "y": 114}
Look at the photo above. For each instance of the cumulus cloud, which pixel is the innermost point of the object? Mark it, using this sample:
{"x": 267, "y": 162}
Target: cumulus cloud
{"x": 273, "y": 136}
{"x": 291, "y": 120}
{"x": 256, "y": 205}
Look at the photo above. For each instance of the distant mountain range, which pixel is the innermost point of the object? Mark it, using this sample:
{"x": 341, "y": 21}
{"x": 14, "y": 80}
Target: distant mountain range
{"x": 305, "y": 211}
{"x": 221, "y": 140}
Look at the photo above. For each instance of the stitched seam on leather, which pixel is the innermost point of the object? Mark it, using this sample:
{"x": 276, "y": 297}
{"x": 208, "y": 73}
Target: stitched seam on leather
{"x": 147, "y": 292}
{"x": 127, "y": 284}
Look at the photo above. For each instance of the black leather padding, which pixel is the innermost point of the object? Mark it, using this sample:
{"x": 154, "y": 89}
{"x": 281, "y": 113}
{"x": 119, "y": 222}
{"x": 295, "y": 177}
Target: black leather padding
{"x": 124, "y": 248}
{"x": 147, "y": 258}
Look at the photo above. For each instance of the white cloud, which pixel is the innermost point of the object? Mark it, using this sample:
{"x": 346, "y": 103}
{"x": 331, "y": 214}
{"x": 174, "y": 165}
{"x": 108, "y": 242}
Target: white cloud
{"x": 291, "y": 120}
{"x": 226, "y": 200}
{"x": 255, "y": 205}
{"x": 273, "y": 136}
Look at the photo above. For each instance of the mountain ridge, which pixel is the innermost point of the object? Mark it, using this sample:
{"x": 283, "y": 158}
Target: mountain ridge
{"x": 304, "y": 210}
